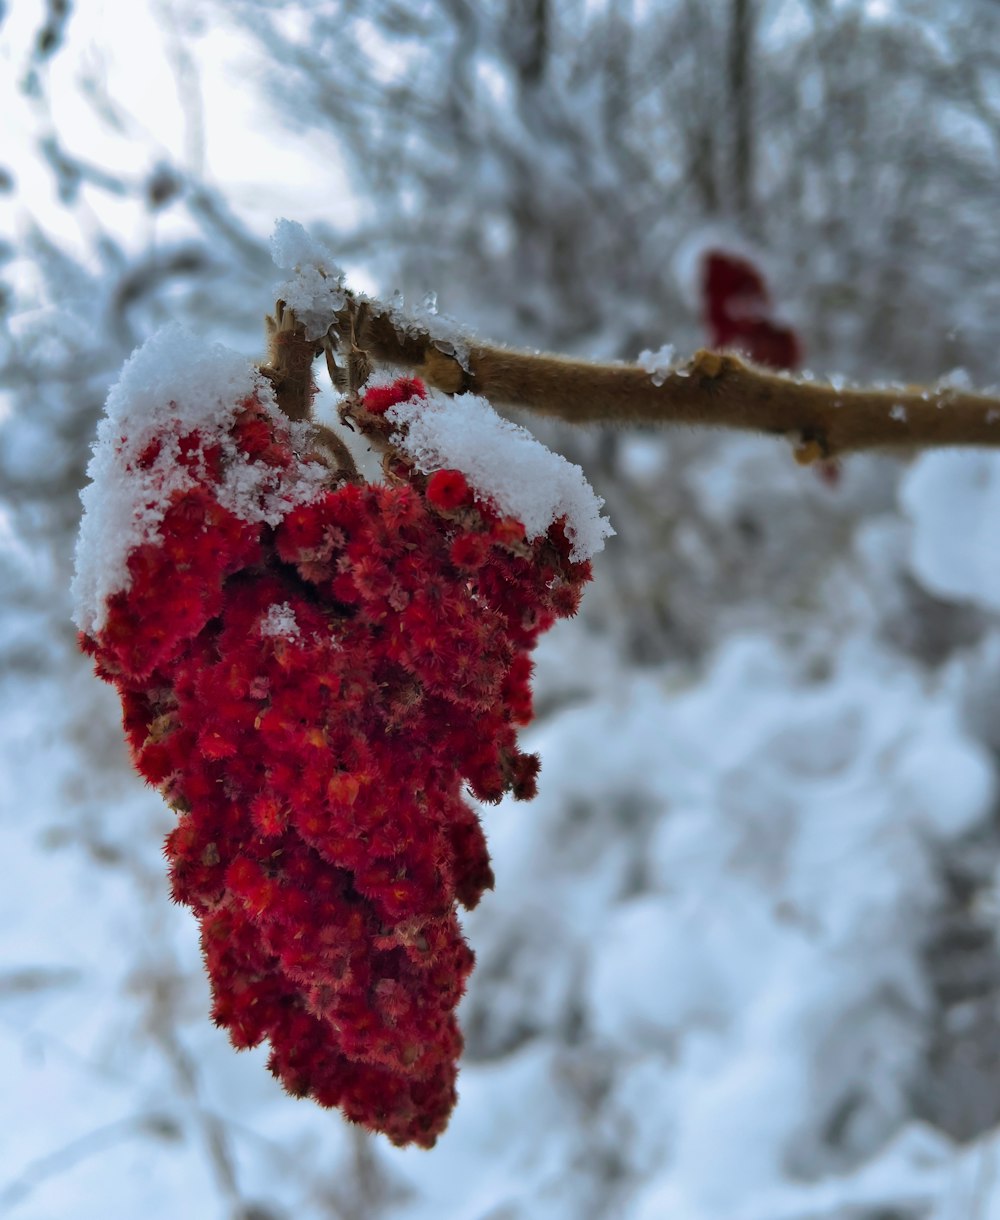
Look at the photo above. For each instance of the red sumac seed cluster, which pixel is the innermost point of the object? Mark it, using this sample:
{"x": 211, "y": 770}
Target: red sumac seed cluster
{"x": 313, "y": 698}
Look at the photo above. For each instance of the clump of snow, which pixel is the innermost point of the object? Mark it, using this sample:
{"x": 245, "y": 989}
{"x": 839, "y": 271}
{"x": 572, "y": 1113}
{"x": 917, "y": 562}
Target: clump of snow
{"x": 505, "y": 464}
{"x": 898, "y": 413}
{"x": 657, "y": 364}
{"x": 280, "y": 620}
{"x": 314, "y": 290}
{"x": 953, "y": 501}
{"x": 947, "y": 780}
{"x": 174, "y": 384}
{"x": 955, "y": 379}
{"x": 446, "y": 333}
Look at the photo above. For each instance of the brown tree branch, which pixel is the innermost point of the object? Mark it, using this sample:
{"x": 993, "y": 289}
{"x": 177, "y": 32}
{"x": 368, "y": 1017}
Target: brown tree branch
{"x": 712, "y": 389}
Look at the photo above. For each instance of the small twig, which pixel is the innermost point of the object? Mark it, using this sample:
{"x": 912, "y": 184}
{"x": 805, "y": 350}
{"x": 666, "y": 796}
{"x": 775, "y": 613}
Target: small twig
{"x": 160, "y": 990}
{"x": 290, "y": 358}
{"x": 338, "y": 457}
{"x": 289, "y": 369}
{"x": 712, "y": 389}
{"x": 71, "y": 1154}
{"x": 359, "y": 365}
{"x": 349, "y": 375}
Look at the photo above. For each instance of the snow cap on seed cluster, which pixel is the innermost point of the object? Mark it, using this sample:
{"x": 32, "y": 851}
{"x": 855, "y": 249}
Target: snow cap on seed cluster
{"x": 175, "y": 384}
{"x": 505, "y": 465}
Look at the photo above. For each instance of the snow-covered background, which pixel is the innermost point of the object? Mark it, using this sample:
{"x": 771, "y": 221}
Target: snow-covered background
{"x": 741, "y": 962}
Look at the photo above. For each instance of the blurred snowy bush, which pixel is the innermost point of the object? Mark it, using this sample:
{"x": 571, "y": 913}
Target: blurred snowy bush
{"x": 953, "y": 500}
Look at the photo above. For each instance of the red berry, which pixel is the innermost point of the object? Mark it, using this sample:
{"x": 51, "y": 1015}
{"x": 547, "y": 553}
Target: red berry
{"x": 379, "y": 399}
{"x": 448, "y": 489}
{"x": 738, "y": 312}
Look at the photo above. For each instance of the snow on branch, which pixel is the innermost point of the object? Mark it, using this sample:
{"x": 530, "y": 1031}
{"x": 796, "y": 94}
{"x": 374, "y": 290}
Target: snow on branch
{"x": 711, "y": 389}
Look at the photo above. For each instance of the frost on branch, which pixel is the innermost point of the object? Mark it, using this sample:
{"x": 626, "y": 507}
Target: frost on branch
{"x": 659, "y": 364}
{"x": 312, "y": 674}
{"x": 314, "y": 290}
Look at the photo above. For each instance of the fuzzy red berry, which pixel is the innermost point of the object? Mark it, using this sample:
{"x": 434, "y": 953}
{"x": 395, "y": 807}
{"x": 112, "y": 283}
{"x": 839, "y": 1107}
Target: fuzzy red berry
{"x": 378, "y": 399}
{"x": 448, "y": 489}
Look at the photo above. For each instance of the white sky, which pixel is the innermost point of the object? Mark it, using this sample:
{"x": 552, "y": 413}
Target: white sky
{"x": 221, "y": 130}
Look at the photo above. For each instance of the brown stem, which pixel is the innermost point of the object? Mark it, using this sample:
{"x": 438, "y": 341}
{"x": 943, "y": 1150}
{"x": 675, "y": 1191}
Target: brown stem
{"x": 289, "y": 364}
{"x": 712, "y": 389}
{"x": 335, "y": 452}
{"x": 290, "y": 358}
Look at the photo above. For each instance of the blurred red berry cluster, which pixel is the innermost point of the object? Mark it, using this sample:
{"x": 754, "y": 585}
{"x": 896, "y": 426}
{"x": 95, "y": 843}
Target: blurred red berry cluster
{"x": 739, "y": 313}
{"x": 313, "y": 699}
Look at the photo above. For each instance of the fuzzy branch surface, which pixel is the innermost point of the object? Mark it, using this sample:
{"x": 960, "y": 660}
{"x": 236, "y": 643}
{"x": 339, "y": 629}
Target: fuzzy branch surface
{"x": 711, "y": 389}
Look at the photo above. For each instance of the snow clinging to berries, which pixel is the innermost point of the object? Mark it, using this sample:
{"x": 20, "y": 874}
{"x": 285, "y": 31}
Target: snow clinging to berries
{"x": 173, "y": 386}
{"x": 505, "y": 464}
